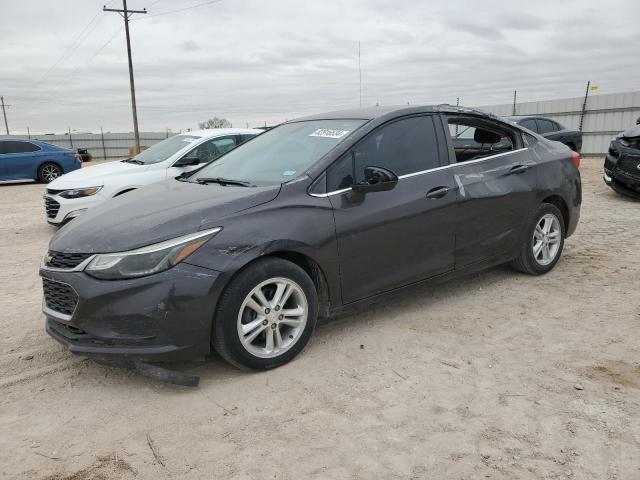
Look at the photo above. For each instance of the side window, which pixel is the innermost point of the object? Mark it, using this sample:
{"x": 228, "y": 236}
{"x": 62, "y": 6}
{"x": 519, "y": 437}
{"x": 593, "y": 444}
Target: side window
{"x": 212, "y": 149}
{"x": 13, "y": 146}
{"x": 544, "y": 126}
{"x": 556, "y": 126}
{"x": 245, "y": 137}
{"x": 2, "y": 147}
{"x": 404, "y": 146}
{"x": 529, "y": 123}
{"x": 487, "y": 139}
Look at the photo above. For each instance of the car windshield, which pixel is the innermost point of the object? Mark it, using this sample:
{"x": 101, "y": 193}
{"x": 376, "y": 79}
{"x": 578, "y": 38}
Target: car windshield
{"x": 280, "y": 154}
{"x": 164, "y": 149}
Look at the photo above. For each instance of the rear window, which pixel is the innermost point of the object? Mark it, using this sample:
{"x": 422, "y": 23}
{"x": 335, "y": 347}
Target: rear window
{"x": 529, "y": 123}
{"x": 545, "y": 126}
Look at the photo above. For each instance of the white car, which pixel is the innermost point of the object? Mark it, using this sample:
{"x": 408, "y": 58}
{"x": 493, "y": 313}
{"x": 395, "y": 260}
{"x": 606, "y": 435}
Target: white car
{"x": 71, "y": 194}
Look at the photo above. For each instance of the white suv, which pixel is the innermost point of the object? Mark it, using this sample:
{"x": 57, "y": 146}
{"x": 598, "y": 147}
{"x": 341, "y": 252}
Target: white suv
{"x": 71, "y": 194}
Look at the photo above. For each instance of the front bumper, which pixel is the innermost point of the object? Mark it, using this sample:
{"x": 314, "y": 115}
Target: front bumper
{"x": 59, "y": 210}
{"x": 620, "y": 175}
{"x": 159, "y": 318}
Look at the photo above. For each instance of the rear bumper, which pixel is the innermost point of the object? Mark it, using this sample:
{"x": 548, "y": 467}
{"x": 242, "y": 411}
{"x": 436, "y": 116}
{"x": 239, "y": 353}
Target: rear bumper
{"x": 160, "y": 318}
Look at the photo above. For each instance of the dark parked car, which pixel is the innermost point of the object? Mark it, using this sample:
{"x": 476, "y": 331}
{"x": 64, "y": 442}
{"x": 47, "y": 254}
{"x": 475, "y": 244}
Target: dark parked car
{"x": 551, "y": 130}
{"x": 622, "y": 163}
{"x": 322, "y": 212}
{"x": 36, "y": 160}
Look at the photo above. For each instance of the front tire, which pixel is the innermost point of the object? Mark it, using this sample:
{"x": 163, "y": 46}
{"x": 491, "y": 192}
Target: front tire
{"x": 543, "y": 243}
{"x": 48, "y": 172}
{"x": 265, "y": 315}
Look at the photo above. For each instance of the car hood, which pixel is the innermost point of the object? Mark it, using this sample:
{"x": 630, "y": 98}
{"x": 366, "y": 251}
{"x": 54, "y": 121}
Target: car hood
{"x": 95, "y": 175}
{"x": 633, "y": 132}
{"x": 156, "y": 213}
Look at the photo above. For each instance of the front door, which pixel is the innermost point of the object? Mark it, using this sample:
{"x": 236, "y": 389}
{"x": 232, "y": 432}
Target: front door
{"x": 393, "y": 238}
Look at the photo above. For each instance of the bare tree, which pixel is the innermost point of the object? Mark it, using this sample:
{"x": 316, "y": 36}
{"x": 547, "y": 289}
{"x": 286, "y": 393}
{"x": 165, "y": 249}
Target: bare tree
{"x": 215, "y": 122}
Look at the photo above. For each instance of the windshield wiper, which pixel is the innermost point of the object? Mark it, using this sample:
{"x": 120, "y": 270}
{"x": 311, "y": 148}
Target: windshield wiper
{"x": 223, "y": 181}
{"x": 133, "y": 160}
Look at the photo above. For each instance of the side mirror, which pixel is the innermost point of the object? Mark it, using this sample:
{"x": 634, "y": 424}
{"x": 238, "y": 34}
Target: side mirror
{"x": 376, "y": 179}
{"x": 187, "y": 161}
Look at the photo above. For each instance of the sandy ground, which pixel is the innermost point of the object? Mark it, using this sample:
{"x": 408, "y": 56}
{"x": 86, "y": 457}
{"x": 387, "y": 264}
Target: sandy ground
{"x": 499, "y": 375}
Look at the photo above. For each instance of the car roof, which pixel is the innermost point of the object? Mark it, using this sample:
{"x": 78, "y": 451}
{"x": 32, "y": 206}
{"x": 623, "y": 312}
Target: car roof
{"x": 516, "y": 118}
{"x": 218, "y": 132}
{"x": 40, "y": 143}
{"x": 372, "y": 113}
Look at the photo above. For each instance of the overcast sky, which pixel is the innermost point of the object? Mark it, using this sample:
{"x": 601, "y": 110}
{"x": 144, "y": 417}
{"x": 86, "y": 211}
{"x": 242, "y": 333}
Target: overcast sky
{"x": 253, "y": 61}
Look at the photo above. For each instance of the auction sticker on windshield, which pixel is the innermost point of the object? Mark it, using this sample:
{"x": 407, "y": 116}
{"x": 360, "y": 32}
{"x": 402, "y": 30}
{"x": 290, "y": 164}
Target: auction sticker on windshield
{"x": 328, "y": 133}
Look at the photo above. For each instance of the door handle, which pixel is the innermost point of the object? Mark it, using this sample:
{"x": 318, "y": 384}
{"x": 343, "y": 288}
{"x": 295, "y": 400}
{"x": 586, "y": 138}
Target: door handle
{"x": 437, "y": 192}
{"x": 518, "y": 169}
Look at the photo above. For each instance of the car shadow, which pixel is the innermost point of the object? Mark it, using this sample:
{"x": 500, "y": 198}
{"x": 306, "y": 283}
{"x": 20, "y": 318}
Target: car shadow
{"x": 349, "y": 323}
{"x": 18, "y": 183}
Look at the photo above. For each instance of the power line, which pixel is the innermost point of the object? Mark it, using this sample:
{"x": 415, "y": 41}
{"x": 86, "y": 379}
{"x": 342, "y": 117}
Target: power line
{"x": 183, "y": 9}
{"x": 84, "y": 33}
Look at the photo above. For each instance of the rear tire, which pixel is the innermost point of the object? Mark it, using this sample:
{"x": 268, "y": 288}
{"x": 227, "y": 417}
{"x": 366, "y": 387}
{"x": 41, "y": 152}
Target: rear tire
{"x": 265, "y": 315}
{"x": 48, "y": 172}
{"x": 543, "y": 243}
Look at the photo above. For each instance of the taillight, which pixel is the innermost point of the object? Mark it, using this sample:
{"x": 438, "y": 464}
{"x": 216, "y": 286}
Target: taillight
{"x": 575, "y": 156}
{"x": 79, "y": 158}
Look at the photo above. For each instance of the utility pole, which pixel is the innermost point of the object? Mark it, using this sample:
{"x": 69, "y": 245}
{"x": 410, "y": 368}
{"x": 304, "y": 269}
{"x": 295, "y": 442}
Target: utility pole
{"x": 584, "y": 106}
{"x": 515, "y": 94}
{"x": 4, "y": 113}
{"x": 360, "y": 73}
{"x": 125, "y": 14}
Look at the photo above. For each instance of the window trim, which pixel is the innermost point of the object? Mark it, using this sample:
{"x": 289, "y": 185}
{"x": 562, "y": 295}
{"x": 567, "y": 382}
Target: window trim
{"x": 409, "y": 175}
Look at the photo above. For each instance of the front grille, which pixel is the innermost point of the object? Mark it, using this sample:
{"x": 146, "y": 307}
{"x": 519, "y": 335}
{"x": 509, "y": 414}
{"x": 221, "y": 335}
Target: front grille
{"x": 51, "y": 206}
{"x": 629, "y": 165}
{"x": 66, "y": 260}
{"x": 59, "y": 297}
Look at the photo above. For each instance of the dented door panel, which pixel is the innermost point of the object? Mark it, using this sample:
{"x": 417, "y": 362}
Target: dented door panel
{"x": 496, "y": 196}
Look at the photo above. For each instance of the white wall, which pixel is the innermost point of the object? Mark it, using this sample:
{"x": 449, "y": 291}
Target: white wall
{"x": 606, "y": 116}
{"x": 116, "y": 145}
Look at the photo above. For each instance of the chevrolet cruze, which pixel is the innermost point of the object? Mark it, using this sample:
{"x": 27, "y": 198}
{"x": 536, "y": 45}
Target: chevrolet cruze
{"x": 245, "y": 254}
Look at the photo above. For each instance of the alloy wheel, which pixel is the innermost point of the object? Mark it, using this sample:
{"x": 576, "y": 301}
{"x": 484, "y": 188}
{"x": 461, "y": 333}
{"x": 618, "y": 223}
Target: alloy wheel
{"x": 546, "y": 239}
{"x": 50, "y": 173}
{"x": 272, "y": 317}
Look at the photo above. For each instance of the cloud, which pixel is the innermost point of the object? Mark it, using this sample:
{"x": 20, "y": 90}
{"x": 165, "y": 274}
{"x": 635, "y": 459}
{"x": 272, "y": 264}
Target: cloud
{"x": 253, "y": 61}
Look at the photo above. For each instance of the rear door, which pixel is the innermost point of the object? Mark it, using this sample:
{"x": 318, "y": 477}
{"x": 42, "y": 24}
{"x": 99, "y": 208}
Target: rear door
{"x": 393, "y": 238}
{"x": 496, "y": 190}
{"x": 21, "y": 159}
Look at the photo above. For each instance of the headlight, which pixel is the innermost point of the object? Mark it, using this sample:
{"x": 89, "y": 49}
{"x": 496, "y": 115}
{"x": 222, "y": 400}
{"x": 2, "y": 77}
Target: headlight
{"x": 80, "y": 192}
{"x": 148, "y": 260}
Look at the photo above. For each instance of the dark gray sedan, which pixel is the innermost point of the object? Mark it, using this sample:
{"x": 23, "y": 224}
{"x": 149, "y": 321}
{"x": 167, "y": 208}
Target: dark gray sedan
{"x": 322, "y": 212}
{"x": 551, "y": 130}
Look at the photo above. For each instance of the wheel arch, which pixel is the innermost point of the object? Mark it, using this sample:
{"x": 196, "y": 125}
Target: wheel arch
{"x": 48, "y": 161}
{"x": 308, "y": 264}
{"x": 559, "y": 202}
